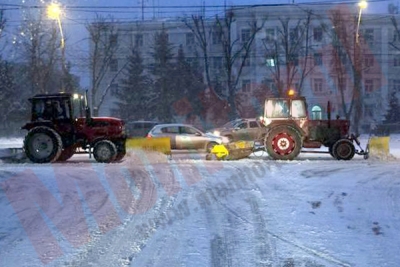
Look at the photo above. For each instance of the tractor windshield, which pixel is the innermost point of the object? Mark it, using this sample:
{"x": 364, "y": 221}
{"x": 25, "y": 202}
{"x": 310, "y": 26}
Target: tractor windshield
{"x": 298, "y": 108}
{"x": 276, "y": 108}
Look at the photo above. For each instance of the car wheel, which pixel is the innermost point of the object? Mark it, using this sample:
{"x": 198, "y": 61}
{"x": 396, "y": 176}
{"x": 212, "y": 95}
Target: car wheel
{"x": 344, "y": 149}
{"x": 210, "y": 146}
{"x": 283, "y": 143}
{"x": 105, "y": 151}
{"x": 42, "y": 145}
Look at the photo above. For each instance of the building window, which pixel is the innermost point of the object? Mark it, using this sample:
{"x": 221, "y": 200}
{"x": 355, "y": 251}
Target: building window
{"x": 396, "y": 36}
{"x": 216, "y": 37}
{"x": 217, "y": 62}
{"x": 317, "y": 59}
{"x": 270, "y": 62}
{"x": 369, "y": 36}
{"x": 246, "y": 85}
{"x": 269, "y": 35}
{"x": 396, "y": 85}
{"x": 396, "y": 61}
{"x": 294, "y": 35}
{"x": 294, "y": 59}
{"x": 246, "y": 61}
{"x": 113, "y": 64}
{"x": 369, "y": 86}
{"x": 317, "y": 34}
{"x": 270, "y": 84}
{"x": 369, "y": 111}
{"x": 317, "y": 88}
{"x": 113, "y": 39}
{"x": 369, "y": 60}
{"x": 245, "y": 35}
{"x": 138, "y": 40}
{"x": 316, "y": 112}
{"x": 114, "y": 89}
{"x": 189, "y": 39}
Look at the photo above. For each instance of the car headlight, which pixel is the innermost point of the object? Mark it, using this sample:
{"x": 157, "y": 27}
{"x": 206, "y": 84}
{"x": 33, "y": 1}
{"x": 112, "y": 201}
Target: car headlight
{"x": 217, "y": 133}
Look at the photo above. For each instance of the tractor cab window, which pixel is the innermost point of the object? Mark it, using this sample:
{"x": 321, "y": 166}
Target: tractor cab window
{"x": 49, "y": 109}
{"x": 276, "y": 108}
{"x": 78, "y": 106}
{"x": 298, "y": 109}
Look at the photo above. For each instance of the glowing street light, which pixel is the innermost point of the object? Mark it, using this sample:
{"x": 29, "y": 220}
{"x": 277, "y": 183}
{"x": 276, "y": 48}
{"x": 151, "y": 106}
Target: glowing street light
{"x": 54, "y": 12}
{"x": 362, "y": 5}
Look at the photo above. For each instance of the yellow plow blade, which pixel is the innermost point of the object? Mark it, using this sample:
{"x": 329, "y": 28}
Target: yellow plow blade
{"x": 379, "y": 146}
{"x": 232, "y": 151}
{"x": 160, "y": 144}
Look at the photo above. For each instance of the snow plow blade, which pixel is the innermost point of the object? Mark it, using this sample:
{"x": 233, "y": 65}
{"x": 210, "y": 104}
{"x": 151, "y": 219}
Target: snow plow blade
{"x": 15, "y": 154}
{"x": 160, "y": 144}
{"x": 232, "y": 151}
{"x": 378, "y": 146}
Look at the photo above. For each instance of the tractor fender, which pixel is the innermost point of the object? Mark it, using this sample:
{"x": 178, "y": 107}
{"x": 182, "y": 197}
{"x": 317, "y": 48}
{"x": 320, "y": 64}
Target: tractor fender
{"x": 286, "y": 123}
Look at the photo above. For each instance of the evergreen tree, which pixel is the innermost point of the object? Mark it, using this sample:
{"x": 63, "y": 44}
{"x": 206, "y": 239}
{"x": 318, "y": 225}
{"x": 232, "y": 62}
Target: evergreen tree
{"x": 189, "y": 83}
{"x": 133, "y": 98}
{"x": 393, "y": 114}
{"x": 163, "y": 71}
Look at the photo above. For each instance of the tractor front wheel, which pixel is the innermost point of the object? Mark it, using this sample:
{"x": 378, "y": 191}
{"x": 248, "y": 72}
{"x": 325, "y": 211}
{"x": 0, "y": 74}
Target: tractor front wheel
{"x": 42, "y": 145}
{"x": 344, "y": 149}
{"x": 105, "y": 151}
{"x": 283, "y": 143}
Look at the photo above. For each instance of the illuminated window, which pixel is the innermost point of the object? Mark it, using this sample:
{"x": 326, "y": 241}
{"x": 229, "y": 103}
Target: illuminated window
{"x": 316, "y": 112}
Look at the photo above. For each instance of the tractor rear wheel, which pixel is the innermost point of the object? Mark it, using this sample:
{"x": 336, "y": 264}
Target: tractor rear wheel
{"x": 42, "y": 145}
{"x": 344, "y": 149}
{"x": 283, "y": 143}
{"x": 105, "y": 151}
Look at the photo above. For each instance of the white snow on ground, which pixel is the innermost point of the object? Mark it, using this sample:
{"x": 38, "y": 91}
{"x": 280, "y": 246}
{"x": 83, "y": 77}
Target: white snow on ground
{"x": 153, "y": 211}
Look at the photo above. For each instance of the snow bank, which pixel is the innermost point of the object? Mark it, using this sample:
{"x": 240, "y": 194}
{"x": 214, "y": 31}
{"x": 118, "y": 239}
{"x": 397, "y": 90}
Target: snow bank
{"x": 140, "y": 156}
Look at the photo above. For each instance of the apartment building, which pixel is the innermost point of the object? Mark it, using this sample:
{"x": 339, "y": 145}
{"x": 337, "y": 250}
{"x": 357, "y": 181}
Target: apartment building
{"x": 318, "y": 69}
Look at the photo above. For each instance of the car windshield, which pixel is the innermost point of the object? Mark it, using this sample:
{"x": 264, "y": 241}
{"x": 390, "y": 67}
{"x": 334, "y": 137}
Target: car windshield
{"x": 232, "y": 124}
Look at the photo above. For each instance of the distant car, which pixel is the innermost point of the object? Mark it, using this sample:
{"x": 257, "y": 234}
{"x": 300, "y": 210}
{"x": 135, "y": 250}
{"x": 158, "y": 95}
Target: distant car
{"x": 185, "y": 136}
{"x": 139, "y": 128}
{"x": 242, "y": 129}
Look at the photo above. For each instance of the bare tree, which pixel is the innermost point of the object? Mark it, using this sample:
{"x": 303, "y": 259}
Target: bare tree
{"x": 202, "y": 32}
{"x": 347, "y": 56}
{"x": 103, "y": 34}
{"x": 236, "y": 51}
{"x": 289, "y": 53}
{"x": 37, "y": 45}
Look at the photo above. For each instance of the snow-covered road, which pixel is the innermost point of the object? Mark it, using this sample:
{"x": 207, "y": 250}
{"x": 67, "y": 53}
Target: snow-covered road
{"x": 151, "y": 211}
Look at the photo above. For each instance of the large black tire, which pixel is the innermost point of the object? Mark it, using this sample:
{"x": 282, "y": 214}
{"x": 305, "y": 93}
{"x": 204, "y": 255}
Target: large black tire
{"x": 344, "y": 149}
{"x": 121, "y": 152}
{"x": 42, "y": 145}
{"x": 210, "y": 146}
{"x": 67, "y": 153}
{"x": 105, "y": 151}
{"x": 283, "y": 143}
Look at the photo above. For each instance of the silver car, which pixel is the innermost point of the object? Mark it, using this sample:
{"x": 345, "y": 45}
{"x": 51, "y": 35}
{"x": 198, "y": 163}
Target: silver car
{"x": 185, "y": 136}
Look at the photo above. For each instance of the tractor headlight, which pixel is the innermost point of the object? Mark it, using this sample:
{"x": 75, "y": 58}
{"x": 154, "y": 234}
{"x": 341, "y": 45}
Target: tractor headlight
{"x": 217, "y": 133}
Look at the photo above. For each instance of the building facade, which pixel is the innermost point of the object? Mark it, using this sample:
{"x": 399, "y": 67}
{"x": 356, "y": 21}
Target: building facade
{"x": 312, "y": 49}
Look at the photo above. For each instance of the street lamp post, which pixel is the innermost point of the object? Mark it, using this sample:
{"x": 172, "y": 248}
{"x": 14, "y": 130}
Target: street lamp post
{"x": 54, "y": 12}
{"x": 358, "y": 69}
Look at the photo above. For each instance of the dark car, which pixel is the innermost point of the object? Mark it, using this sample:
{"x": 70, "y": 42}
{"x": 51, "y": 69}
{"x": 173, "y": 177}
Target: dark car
{"x": 185, "y": 136}
{"x": 139, "y": 128}
{"x": 242, "y": 129}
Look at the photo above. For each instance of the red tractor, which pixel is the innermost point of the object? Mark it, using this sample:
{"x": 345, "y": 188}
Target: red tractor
{"x": 61, "y": 125}
{"x": 290, "y": 130}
